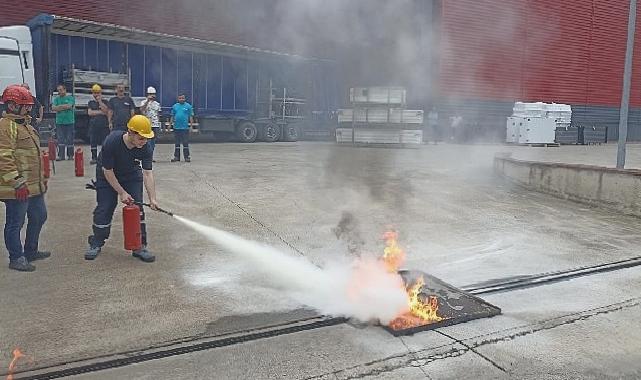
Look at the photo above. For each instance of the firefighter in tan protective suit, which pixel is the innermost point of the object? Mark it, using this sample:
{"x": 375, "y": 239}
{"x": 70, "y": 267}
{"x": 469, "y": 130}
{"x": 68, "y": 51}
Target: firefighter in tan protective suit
{"x": 22, "y": 182}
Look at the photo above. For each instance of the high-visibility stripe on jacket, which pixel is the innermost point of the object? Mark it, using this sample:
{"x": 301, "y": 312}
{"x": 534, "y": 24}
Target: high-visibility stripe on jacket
{"x": 20, "y": 161}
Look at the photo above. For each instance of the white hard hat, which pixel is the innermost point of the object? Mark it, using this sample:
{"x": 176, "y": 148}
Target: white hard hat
{"x": 151, "y": 90}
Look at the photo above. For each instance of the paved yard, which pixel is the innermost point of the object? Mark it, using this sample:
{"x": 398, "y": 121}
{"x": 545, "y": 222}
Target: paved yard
{"x": 456, "y": 221}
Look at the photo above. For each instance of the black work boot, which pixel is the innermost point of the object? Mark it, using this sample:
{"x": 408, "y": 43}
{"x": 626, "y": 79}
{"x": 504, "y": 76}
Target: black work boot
{"x": 144, "y": 255}
{"x": 21, "y": 264}
{"x": 40, "y": 255}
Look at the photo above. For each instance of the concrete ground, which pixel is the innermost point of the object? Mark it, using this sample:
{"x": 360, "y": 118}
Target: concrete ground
{"x": 457, "y": 222}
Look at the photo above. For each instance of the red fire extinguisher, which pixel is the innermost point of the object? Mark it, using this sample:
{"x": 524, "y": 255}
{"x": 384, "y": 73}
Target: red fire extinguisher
{"x": 51, "y": 145}
{"x": 46, "y": 168}
{"x": 80, "y": 163}
{"x": 131, "y": 227}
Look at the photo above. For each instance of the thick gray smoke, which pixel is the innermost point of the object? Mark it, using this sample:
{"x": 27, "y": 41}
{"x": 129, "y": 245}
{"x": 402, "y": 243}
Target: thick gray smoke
{"x": 362, "y": 289}
{"x": 348, "y": 230}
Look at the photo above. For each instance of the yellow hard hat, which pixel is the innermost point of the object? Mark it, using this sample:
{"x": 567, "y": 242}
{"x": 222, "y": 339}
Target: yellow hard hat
{"x": 141, "y": 125}
{"x": 96, "y": 88}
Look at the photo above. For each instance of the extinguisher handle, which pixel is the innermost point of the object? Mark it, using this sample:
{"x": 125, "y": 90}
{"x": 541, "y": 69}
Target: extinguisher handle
{"x": 158, "y": 209}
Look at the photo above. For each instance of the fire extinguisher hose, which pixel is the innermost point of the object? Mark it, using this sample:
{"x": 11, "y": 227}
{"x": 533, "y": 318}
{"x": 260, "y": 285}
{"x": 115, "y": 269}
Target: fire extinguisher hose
{"x": 92, "y": 186}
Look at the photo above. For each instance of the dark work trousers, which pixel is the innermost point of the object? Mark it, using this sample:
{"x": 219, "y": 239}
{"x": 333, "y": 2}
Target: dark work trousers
{"x": 33, "y": 209}
{"x": 65, "y": 134}
{"x": 107, "y": 200}
{"x": 97, "y": 135}
{"x": 182, "y": 137}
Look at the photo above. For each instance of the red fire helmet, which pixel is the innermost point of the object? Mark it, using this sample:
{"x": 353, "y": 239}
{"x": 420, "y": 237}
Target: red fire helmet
{"x": 18, "y": 94}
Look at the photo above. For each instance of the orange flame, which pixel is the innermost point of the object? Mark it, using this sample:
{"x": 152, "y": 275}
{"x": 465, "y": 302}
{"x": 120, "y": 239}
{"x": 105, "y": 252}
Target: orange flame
{"x": 393, "y": 255}
{"x": 422, "y": 311}
{"x": 17, "y": 354}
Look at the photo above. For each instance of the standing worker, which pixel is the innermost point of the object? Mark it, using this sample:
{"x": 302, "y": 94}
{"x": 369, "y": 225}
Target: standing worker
{"x": 63, "y": 106}
{"x": 37, "y": 111}
{"x": 432, "y": 123}
{"x": 119, "y": 175}
{"x": 182, "y": 118}
{"x": 97, "y": 109}
{"x": 22, "y": 182}
{"x": 151, "y": 108}
{"x": 121, "y": 109}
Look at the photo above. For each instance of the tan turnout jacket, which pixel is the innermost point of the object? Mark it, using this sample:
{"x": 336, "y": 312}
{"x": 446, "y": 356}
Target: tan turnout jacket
{"x": 20, "y": 161}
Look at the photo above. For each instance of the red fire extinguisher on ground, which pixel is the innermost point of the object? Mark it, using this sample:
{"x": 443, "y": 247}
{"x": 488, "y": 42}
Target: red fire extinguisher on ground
{"x": 80, "y": 163}
{"x": 51, "y": 145}
{"x": 131, "y": 227}
{"x": 46, "y": 168}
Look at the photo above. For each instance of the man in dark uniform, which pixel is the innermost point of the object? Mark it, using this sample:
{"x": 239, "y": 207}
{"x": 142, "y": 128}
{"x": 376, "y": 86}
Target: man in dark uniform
{"x": 121, "y": 109}
{"x": 119, "y": 175}
{"x": 97, "y": 109}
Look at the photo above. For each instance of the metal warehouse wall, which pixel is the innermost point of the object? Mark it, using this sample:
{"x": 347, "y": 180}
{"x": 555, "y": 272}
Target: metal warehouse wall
{"x": 501, "y": 51}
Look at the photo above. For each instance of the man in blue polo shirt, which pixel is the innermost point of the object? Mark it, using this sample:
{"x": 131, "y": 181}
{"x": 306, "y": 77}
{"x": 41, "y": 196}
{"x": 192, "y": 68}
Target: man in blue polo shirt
{"x": 182, "y": 118}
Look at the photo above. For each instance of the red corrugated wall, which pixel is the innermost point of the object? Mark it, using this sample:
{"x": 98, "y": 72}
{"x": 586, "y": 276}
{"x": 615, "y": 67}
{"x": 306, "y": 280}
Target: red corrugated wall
{"x": 537, "y": 50}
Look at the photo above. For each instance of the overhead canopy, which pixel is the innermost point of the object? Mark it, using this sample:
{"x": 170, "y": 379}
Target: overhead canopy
{"x": 86, "y": 28}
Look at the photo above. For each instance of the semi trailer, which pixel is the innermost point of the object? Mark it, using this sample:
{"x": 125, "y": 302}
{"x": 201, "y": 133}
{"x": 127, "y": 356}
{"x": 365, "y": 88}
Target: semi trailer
{"x": 237, "y": 91}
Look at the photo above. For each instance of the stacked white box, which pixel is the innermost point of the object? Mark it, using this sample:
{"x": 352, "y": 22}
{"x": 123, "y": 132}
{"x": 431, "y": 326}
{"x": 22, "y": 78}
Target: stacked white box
{"x": 379, "y": 116}
{"x": 513, "y": 125}
{"x": 536, "y": 123}
{"x": 378, "y": 95}
{"x": 535, "y": 130}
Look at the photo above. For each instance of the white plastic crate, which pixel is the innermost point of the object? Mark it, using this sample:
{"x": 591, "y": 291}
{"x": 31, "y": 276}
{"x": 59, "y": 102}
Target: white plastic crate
{"x": 381, "y": 116}
{"x": 345, "y": 115}
{"x": 412, "y": 136}
{"x": 537, "y": 130}
{"x": 344, "y": 135}
{"x": 377, "y": 95}
{"x": 512, "y": 130}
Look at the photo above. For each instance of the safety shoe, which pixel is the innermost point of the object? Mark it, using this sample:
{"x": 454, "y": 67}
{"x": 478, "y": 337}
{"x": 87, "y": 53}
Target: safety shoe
{"x": 92, "y": 252}
{"x": 60, "y": 159}
{"x": 175, "y": 159}
{"x": 187, "y": 159}
{"x": 92, "y": 162}
{"x": 21, "y": 264}
{"x": 40, "y": 255}
{"x": 144, "y": 255}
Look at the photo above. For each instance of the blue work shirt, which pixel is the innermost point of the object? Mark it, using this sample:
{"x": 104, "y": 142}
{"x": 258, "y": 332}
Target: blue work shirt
{"x": 181, "y": 114}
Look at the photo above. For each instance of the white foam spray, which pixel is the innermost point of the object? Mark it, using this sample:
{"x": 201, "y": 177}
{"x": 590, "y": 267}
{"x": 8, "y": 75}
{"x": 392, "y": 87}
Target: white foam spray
{"x": 362, "y": 289}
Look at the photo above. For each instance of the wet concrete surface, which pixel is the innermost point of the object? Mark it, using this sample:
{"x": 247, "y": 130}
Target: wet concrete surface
{"x": 456, "y": 221}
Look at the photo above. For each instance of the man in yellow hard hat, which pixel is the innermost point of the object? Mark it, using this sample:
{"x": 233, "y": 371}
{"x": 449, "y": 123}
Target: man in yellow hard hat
{"x": 124, "y": 165}
{"x": 97, "y": 109}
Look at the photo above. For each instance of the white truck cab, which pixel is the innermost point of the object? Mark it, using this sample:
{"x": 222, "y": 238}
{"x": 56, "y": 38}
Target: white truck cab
{"x": 16, "y": 57}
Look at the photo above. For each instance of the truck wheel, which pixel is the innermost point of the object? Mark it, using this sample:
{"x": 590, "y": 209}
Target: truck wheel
{"x": 246, "y": 132}
{"x": 270, "y": 132}
{"x": 290, "y": 132}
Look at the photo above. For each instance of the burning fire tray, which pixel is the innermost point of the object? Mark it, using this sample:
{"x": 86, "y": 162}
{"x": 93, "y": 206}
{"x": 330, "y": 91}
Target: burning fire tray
{"x": 453, "y": 305}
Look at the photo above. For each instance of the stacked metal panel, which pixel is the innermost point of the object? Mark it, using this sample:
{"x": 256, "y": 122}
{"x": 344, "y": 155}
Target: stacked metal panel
{"x": 379, "y": 116}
